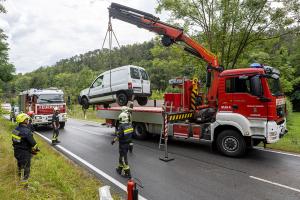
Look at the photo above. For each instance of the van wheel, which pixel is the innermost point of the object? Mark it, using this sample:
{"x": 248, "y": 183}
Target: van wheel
{"x": 231, "y": 143}
{"x": 85, "y": 103}
{"x": 140, "y": 131}
{"x": 142, "y": 100}
{"x": 122, "y": 99}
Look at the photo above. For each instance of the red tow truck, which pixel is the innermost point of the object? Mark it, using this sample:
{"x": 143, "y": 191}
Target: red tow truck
{"x": 242, "y": 107}
{"x": 40, "y": 104}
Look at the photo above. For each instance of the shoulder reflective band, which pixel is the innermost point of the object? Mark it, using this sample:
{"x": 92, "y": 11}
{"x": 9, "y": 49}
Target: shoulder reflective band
{"x": 129, "y": 130}
{"x": 16, "y": 137}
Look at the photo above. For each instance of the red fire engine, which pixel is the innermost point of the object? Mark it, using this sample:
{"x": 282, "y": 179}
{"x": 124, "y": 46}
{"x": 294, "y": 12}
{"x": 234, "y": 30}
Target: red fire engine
{"x": 242, "y": 107}
{"x": 41, "y": 102}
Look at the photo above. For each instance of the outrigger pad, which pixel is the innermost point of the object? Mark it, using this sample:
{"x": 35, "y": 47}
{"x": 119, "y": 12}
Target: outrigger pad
{"x": 166, "y": 159}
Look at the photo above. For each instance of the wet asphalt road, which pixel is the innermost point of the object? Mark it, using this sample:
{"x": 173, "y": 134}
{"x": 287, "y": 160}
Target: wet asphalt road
{"x": 196, "y": 173}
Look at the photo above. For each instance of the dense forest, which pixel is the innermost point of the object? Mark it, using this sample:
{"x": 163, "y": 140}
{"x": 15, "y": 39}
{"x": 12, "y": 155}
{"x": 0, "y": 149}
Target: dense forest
{"x": 238, "y": 32}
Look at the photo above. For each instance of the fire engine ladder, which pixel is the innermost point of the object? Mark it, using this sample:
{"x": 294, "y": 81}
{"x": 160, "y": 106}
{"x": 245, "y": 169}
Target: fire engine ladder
{"x": 162, "y": 132}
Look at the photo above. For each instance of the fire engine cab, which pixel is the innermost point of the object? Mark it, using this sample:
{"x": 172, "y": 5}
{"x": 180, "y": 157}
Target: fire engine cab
{"x": 41, "y": 102}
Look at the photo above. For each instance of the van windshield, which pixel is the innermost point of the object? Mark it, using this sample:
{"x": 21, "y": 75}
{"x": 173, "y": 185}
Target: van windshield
{"x": 134, "y": 73}
{"x": 144, "y": 75}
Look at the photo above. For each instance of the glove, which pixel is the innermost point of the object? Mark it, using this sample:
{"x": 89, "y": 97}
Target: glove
{"x": 35, "y": 151}
{"x": 112, "y": 142}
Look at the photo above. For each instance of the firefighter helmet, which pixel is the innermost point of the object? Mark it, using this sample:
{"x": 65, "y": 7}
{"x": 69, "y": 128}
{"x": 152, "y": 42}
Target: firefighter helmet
{"x": 123, "y": 118}
{"x": 22, "y": 117}
{"x": 55, "y": 109}
{"x": 124, "y": 109}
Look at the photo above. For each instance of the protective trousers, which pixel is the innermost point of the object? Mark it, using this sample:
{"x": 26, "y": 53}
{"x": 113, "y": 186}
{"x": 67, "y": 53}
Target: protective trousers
{"x": 55, "y": 135}
{"x": 123, "y": 161}
{"x": 24, "y": 159}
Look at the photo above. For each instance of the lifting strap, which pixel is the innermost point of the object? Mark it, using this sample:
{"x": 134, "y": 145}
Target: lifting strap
{"x": 110, "y": 32}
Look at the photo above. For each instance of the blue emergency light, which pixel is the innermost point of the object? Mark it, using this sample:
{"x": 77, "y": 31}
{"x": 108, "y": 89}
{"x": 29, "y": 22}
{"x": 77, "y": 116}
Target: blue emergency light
{"x": 256, "y": 65}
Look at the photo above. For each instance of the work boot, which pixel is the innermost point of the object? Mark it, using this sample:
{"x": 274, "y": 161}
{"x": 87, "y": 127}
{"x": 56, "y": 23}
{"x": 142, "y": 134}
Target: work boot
{"x": 130, "y": 147}
{"x": 24, "y": 184}
{"x": 127, "y": 173}
{"x": 119, "y": 170}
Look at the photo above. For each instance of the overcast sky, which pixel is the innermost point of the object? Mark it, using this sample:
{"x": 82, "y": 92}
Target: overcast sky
{"x": 41, "y": 32}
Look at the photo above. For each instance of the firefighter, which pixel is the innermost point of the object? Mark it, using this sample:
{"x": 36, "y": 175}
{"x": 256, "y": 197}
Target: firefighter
{"x": 129, "y": 111}
{"x": 55, "y": 125}
{"x": 24, "y": 146}
{"x": 124, "y": 135}
{"x": 30, "y": 125}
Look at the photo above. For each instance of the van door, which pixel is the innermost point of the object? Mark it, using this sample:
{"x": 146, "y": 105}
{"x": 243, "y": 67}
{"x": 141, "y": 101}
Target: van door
{"x": 136, "y": 80}
{"x": 145, "y": 82}
{"x": 95, "y": 92}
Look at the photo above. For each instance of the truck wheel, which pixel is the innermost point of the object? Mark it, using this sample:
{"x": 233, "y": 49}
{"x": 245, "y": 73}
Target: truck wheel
{"x": 122, "y": 99}
{"x": 231, "y": 143}
{"x": 140, "y": 131}
{"x": 62, "y": 124}
{"x": 85, "y": 103}
{"x": 142, "y": 100}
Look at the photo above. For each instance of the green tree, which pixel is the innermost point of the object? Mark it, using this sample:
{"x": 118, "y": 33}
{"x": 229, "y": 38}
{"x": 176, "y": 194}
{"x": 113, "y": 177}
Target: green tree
{"x": 229, "y": 27}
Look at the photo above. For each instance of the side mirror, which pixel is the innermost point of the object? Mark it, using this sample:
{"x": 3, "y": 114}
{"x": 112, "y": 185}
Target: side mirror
{"x": 256, "y": 87}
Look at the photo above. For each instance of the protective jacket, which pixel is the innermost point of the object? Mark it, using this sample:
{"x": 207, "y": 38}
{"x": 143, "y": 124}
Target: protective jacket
{"x": 22, "y": 138}
{"x": 55, "y": 120}
{"x": 124, "y": 133}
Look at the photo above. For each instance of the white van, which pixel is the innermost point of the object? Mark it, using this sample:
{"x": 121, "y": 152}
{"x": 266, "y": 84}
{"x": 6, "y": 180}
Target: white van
{"x": 118, "y": 85}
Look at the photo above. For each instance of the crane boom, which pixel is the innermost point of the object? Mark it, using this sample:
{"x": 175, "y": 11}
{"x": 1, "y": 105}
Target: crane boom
{"x": 171, "y": 34}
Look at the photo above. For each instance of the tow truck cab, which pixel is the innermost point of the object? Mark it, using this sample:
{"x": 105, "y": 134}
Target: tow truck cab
{"x": 252, "y": 102}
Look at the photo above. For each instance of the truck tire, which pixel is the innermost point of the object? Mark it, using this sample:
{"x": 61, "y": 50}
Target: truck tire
{"x": 62, "y": 124}
{"x": 85, "y": 103}
{"x": 231, "y": 143}
{"x": 140, "y": 131}
{"x": 122, "y": 99}
{"x": 142, "y": 100}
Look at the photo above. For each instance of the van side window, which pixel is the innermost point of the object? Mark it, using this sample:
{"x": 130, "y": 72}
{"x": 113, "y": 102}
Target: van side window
{"x": 237, "y": 85}
{"x": 144, "y": 75}
{"x": 134, "y": 73}
{"x": 98, "y": 81}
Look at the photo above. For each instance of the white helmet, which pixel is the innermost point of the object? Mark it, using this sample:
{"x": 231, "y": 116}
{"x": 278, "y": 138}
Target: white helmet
{"x": 55, "y": 109}
{"x": 124, "y": 109}
{"x": 123, "y": 118}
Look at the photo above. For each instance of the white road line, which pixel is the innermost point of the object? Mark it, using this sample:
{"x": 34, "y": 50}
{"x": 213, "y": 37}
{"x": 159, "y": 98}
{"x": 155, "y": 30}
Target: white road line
{"x": 279, "y": 152}
{"x": 92, "y": 167}
{"x": 274, "y": 183}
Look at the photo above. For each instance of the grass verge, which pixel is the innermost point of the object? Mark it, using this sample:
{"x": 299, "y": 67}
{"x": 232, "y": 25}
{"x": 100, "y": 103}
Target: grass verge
{"x": 52, "y": 176}
{"x": 291, "y": 141}
{"x": 76, "y": 112}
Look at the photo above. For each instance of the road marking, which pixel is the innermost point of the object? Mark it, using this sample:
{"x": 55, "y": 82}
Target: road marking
{"x": 92, "y": 167}
{"x": 279, "y": 152}
{"x": 274, "y": 183}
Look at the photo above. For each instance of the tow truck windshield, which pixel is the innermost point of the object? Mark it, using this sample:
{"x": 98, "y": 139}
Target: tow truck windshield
{"x": 275, "y": 86}
{"x": 50, "y": 98}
